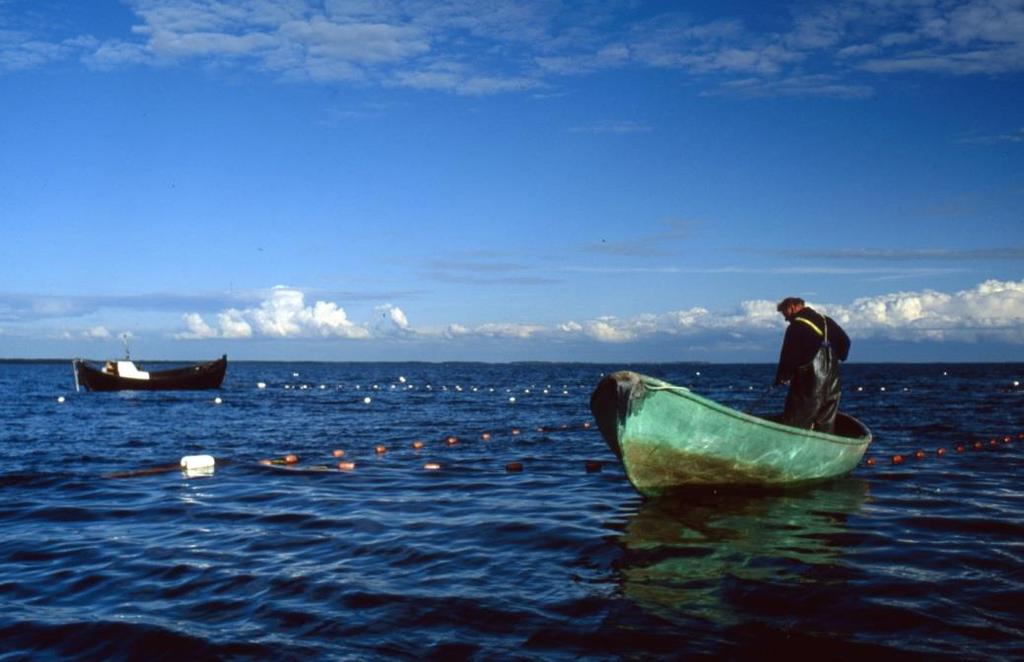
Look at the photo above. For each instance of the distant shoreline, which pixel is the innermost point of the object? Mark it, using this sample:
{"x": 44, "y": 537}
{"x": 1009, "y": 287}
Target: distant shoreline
{"x": 580, "y": 363}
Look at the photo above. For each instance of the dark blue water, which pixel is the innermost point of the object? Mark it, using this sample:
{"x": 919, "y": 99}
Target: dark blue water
{"x": 474, "y": 562}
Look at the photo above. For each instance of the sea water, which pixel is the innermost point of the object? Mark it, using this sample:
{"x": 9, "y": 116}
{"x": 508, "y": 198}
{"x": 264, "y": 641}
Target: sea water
{"x": 109, "y": 550}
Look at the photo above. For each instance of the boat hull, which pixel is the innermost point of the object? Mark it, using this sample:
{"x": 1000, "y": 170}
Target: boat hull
{"x": 201, "y": 376}
{"x": 668, "y": 437}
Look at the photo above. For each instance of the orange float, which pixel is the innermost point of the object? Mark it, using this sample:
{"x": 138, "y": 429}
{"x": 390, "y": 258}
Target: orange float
{"x": 897, "y": 459}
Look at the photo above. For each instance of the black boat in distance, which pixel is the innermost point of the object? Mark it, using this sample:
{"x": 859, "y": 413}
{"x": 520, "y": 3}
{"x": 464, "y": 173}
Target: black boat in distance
{"x": 124, "y": 375}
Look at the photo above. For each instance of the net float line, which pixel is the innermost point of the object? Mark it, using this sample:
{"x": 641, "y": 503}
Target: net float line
{"x": 190, "y": 465}
{"x": 990, "y": 443}
{"x": 290, "y": 458}
{"x": 291, "y": 462}
{"x": 146, "y": 471}
{"x": 202, "y": 465}
{"x": 450, "y": 440}
{"x": 380, "y": 450}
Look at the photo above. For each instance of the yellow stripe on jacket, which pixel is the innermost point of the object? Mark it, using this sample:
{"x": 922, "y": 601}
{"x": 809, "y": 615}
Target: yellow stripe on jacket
{"x": 811, "y": 324}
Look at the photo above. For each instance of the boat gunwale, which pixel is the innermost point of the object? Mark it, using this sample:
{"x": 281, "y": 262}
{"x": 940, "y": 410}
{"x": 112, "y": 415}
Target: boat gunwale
{"x": 88, "y": 374}
{"x": 681, "y": 391}
{"x": 95, "y": 364}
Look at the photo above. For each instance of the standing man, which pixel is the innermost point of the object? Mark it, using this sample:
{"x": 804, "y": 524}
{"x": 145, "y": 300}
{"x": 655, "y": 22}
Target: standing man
{"x": 811, "y": 351}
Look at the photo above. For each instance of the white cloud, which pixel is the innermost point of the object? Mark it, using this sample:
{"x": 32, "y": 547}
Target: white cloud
{"x": 284, "y": 314}
{"x": 456, "y": 331}
{"x": 233, "y": 324}
{"x": 197, "y": 328}
{"x": 510, "y": 330}
{"x": 610, "y": 329}
{"x": 355, "y": 42}
{"x": 408, "y": 44}
{"x": 97, "y": 333}
{"x": 19, "y": 52}
{"x": 494, "y": 330}
{"x": 115, "y": 53}
{"x": 392, "y": 318}
{"x": 993, "y": 309}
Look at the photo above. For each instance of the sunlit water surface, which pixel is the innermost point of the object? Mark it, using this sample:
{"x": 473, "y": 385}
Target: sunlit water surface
{"x": 472, "y": 561}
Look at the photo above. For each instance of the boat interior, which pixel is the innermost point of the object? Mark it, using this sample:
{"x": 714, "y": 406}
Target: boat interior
{"x": 846, "y": 426}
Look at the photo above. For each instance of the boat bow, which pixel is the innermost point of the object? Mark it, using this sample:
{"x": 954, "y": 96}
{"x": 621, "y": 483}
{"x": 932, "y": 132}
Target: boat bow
{"x": 667, "y": 437}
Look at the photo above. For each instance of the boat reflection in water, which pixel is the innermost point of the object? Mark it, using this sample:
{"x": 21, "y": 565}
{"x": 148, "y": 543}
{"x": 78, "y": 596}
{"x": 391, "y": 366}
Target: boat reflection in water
{"x": 690, "y": 554}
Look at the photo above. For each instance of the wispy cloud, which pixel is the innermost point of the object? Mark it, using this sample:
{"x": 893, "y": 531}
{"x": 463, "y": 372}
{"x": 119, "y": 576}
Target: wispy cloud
{"x": 918, "y": 254}
{"x": 837, "y": 50}
{"x": 22, "y": 50}
{"x": 484, "y": 270}
{"x": 29, "y": 307}
{"x": 961, "y": 38}
{"x": 495, "y": 330}
{"x": 996, "y": 139}
{"x": 645, "y": 245}
{"x": 820, "y": 85}
{"x": 612, "y": 126}
{"x": 803, "y": 270}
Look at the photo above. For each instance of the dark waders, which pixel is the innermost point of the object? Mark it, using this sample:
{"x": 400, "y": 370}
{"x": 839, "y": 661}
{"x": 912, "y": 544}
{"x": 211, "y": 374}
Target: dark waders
{"x": 813, "y": 398}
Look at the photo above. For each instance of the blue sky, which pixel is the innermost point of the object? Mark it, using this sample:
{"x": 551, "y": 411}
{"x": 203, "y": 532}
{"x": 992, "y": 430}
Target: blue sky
{"x": 613, "y": 181}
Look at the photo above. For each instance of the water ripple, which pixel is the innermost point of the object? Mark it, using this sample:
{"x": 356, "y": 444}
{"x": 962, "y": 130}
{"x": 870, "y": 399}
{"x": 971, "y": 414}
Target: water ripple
{"x": 471, "y": 561}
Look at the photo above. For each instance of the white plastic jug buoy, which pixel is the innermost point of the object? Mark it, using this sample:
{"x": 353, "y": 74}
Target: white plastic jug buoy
{"x": 197, "y": 462}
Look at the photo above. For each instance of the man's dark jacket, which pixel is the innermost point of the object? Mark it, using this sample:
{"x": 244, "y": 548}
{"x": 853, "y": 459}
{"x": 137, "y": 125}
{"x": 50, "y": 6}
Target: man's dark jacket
{"x": 810, "y": 363}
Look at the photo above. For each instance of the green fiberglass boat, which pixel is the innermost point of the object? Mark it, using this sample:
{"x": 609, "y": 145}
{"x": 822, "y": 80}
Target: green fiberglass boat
{"x": 669, "y": 437}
